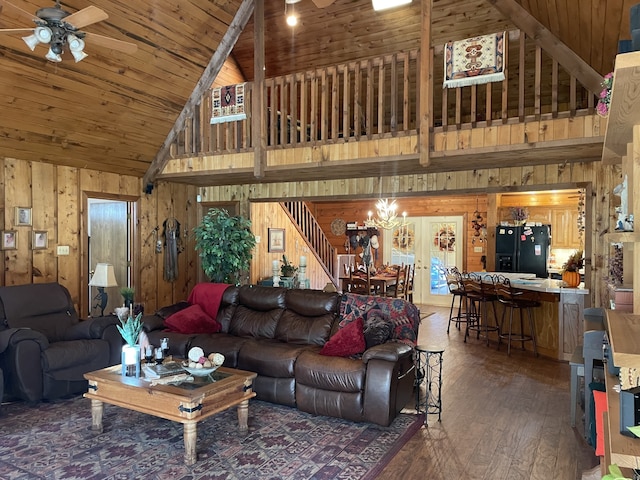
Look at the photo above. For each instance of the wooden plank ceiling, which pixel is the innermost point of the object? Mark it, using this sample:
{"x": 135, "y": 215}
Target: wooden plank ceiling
{"x": 112, "y": 111}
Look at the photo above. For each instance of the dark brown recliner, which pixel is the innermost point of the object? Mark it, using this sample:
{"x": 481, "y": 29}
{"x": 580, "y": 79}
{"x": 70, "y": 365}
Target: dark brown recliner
{"x": 47, "y": 349}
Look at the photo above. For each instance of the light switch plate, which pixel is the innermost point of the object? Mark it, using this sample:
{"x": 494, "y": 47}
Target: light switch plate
{"x": 477, "y": 249}
{"x": 63, "y": 250}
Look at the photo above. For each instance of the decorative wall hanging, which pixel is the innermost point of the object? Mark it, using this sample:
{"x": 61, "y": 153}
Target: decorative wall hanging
{"x": 227, "y": 104}
{"x": 9, "y": 239}
{"x": 39, "y": 240}
{"x": 276, "y": 240}
{"x": 23, "y": 216}
{"x": 474, "y": 61}
{"x": 172, "y": 247}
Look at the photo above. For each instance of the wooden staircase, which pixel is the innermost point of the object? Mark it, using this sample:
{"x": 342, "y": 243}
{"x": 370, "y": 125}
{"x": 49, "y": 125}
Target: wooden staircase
{"x": 317, "y": 241}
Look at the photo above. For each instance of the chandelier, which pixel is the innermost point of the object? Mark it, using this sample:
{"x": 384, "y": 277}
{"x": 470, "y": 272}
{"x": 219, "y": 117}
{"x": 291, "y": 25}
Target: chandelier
{"x": 387, "y": 218}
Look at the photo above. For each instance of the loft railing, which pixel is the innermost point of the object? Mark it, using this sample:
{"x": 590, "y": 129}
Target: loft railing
{"x": 378, "y": 97}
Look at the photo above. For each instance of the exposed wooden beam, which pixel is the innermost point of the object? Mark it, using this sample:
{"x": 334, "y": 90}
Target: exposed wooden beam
{"x": 211, "y": 71}
{"x": 550, "y": 43}
{"x": 258, "y": 121}
{"x": 425, "y": 83}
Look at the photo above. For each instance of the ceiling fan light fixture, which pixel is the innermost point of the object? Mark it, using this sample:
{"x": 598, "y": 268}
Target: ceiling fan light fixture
{"x": 52, "y": 56}
{"x": 76, "y": 47}
{"x": 39, "y": 35}
{"x": 290, "y": 12}
{"x": 386, "y": 4}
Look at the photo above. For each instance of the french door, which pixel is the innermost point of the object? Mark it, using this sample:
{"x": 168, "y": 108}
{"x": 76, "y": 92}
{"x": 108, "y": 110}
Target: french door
{"x": 431, "y": 244}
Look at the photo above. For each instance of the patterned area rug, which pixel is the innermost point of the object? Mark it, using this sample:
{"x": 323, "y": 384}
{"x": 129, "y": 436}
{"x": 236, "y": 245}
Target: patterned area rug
{"x": 55, "y": 441}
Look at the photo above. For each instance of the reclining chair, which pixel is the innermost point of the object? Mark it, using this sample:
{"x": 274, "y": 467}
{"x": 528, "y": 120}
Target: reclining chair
{"x": 45, "y": 349}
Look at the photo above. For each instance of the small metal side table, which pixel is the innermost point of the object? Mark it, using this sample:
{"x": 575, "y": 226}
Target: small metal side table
{"x": 428, "y": 360}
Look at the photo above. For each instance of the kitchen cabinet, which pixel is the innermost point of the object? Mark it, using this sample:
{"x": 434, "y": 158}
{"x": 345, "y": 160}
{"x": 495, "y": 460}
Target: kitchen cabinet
{"x": 564, "y": 228}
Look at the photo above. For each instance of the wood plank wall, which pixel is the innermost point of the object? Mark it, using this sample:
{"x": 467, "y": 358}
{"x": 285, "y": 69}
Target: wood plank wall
{"x": 599, "y": 180}
{"x": 57, "y": 196}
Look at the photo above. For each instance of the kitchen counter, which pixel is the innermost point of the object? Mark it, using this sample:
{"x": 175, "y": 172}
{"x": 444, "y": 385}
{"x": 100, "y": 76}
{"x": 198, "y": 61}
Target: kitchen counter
{"x": 558, "y": 319}
{"x": 527, "y": 281}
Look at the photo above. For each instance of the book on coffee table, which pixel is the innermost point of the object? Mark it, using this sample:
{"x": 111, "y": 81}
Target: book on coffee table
{"x": 154, "y": 371}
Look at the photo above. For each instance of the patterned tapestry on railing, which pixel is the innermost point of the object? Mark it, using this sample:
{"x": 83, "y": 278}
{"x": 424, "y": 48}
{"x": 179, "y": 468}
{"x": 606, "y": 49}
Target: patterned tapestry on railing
{"x": 227, "y": 103}
{"x": 474, "y": 61}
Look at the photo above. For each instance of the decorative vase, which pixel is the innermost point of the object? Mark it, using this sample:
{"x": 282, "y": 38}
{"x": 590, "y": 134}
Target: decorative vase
{"x": 131, "y": 361}
{"x": 571, "y": 278}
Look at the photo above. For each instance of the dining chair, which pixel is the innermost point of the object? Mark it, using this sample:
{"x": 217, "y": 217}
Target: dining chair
{"x": 360, "y": 285}
{"x": 398, "y": 290}
{"x": 408, "y": 290}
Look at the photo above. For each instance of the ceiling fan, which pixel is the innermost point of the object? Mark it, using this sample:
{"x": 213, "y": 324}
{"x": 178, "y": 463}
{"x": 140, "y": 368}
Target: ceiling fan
{"x": 59, "y": 28}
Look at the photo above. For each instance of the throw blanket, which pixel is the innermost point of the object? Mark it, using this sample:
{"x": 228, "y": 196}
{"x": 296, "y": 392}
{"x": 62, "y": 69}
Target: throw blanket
{"x": 404, "y": 316}
{"x": 208, "y": 296}
{"x": 227, "y": 103}
{"x": 474, "y": 61}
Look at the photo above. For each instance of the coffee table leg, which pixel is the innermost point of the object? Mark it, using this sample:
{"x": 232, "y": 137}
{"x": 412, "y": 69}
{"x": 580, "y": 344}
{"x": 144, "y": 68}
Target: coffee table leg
{"x": 190, "y": 439}
{"x": 97, "y": 408}
{"x": 243, "y": 416}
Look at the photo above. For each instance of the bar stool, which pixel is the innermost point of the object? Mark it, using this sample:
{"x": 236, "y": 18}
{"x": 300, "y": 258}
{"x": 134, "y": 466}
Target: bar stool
{"x": 428, "y": 360}
{"x": 514, "y": 300}
{"x": 479, "y": 293}
{"x": 456, "y": 288}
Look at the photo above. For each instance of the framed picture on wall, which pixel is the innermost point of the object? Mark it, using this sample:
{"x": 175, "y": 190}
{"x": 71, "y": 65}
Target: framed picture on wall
{"x": 23, "y": 216}
{"x": 9, "y": 239}
{"x": 276, "y": 240}
{"x": 40, "y": 240}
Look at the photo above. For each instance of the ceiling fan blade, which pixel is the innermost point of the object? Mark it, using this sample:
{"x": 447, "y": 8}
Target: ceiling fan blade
{"x": 86, "y": 16}
{"x": 15, "y": 30}
{"x": 323, "y": 3}
{"x": 17, "y": 10}
{"x": 112, "y": 43}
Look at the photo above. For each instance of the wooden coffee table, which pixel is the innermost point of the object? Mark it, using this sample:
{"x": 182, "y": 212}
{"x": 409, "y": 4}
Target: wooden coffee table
{"x": 186, "y": 402}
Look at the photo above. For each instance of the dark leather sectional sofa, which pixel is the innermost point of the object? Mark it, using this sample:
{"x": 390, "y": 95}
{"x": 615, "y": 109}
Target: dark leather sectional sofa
{"x": 278, "y": 333}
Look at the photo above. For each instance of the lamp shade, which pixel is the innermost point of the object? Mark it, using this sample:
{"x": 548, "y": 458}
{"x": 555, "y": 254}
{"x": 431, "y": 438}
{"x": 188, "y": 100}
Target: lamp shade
{"x": 104, "y": 276}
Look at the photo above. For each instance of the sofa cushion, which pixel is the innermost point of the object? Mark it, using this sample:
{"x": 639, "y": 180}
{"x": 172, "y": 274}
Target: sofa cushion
{"x": 247, "y": 322}
{"x": 348, "y": 341}
{"x": 308, "y": 317}
{"x": 377, "y": 328}
{"x": 192, "y": 320}
{"x": 80, "y": 355}
{"x": 227, "y": 345}
{"x": 338, "y": 374}
{"x": 270, "y": 357}
{"x": 227, "y": 308}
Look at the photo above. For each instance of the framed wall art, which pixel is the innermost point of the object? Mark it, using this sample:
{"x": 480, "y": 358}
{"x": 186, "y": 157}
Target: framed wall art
{"x": 39, "y": 240}
{"x": 9, "y": 239}
{"x": 23, "y": 216}
{"x": 276, "y": 240}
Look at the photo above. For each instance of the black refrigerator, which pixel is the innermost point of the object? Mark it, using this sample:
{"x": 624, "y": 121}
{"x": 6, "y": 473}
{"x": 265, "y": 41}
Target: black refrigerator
{"x": 523, "y": 249}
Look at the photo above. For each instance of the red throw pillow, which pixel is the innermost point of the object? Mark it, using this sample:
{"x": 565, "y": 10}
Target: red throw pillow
{"x": 192, "y": 320}
{"x": 347, "y": 341}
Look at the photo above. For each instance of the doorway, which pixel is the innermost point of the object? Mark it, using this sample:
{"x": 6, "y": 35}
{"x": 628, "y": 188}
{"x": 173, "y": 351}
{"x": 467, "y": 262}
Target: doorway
{"x": 109, "y": 230}
{"x": 431, "y": 244}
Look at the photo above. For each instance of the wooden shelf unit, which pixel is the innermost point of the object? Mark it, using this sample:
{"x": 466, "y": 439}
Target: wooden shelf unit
{"x": 622, "y": 145}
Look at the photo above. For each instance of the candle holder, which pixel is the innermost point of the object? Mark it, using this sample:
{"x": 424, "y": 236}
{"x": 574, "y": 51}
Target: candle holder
{"x": 276, "y": 274}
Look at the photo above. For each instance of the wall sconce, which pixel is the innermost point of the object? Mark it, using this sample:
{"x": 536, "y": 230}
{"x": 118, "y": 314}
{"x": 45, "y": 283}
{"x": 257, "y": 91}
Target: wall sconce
{"x": 103, "y": 277}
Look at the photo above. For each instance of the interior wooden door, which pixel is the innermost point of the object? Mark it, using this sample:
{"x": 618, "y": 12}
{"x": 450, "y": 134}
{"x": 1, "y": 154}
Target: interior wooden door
{"x": 109, "y": 242}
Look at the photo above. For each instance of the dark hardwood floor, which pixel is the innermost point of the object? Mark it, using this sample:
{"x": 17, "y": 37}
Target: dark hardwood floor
{"x": 503, "y": 417}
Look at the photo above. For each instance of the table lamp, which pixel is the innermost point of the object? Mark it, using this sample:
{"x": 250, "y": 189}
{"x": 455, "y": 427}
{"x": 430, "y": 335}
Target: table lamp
{"x": 103, "y": 277}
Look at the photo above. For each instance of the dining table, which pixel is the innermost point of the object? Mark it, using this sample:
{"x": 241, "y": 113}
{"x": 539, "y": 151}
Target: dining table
{"x": 381, "y": 282}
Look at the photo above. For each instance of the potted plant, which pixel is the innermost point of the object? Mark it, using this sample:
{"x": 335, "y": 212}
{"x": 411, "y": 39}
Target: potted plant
{"x": 287, "y": 269}
{"x": 128, "y": 294}
{"x": 225, "y": 243}
{"x": 570, "y": 274}
{"x": 130, "y": 330}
